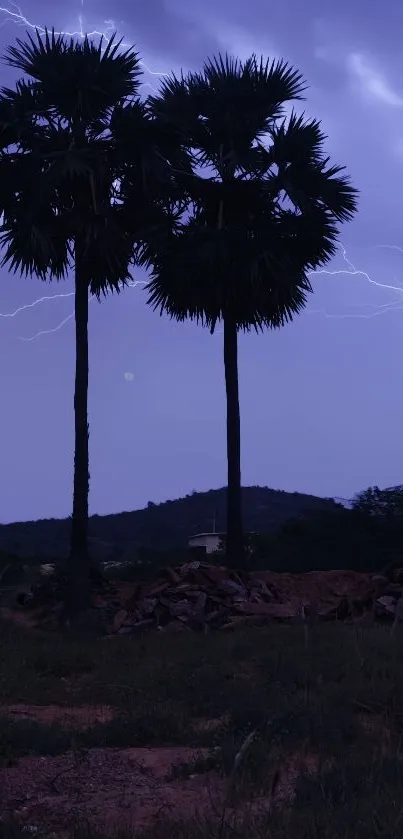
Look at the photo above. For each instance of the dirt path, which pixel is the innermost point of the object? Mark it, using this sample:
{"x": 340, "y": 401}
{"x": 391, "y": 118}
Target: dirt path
{"x": 110, "y": 788}
{"x": 78, "y": 717}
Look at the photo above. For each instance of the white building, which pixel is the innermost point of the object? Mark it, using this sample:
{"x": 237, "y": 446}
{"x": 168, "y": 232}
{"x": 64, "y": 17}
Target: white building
{"x": 209, "y": 541}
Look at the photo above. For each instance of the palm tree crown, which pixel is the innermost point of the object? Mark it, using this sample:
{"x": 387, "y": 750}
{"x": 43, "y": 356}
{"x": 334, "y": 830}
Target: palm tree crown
{"x": 263, "y": 201}
{"x": 62, "y": 115}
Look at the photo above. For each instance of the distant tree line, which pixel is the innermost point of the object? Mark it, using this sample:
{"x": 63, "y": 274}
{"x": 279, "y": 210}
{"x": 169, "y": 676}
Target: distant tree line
{"x": 367, "y": 537}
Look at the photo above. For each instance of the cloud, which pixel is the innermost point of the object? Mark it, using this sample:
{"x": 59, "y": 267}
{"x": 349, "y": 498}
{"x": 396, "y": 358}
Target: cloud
{"x": 397, "y": 149}
{"x": 372, "y": 82}
{"x": 239, "y": 42}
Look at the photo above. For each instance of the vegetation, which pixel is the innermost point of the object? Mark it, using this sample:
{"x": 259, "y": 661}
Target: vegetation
{"x": 386, "y": 504}
{"x": 342, "y": 539}
{"x": 335, "y": 693}
{"x": 263, "y": 207}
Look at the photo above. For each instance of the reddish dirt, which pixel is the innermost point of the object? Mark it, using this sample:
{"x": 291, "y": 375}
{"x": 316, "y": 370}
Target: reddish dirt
{"x": 116, "y": 789}
{"x": 133, "y": 788}
{"x": 317, "y": 586}
{"x": 110, "y": 788}
{"x": 82, "y": 716}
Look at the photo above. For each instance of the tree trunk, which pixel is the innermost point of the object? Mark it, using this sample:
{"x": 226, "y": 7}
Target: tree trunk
{"x": 235, "y": 538}
{"x": 79, "y": 571}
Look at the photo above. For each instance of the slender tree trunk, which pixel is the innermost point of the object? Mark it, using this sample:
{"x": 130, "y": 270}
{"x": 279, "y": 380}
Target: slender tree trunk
{"x": 79, "y": 572}
{"x": 235, "y": 538}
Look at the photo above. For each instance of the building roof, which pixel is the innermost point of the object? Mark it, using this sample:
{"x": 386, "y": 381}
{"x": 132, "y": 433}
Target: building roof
{"x": 199, "y": 535}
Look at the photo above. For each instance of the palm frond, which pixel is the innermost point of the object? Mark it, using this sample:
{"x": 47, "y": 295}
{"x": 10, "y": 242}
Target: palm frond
{"x": 224, "y": 109}
{"x": 78, "y": 79}
{"x": 303, "y": 172}
{"x": 33, "y": 245}
{"x": 20, "y": 111}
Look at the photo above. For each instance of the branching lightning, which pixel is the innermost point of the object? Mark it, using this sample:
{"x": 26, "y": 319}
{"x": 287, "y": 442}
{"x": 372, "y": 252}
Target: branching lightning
{"x": 131, "y": 284}
{"x": 352, "y": 271}
{"x": 47, "y": 331}
{"x": 35, "y": 303}
{"x": 13, "y": 14}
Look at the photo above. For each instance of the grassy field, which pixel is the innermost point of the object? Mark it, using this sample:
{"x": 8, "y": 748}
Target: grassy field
{"x": 245, "y": 702}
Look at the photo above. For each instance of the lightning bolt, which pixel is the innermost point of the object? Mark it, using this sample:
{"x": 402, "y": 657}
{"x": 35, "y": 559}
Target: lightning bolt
{"x": 14, "y": 14}
{"x": 352, "y": 271}
{"x": 46, "y": 331}
{"x": 35, "y": 303}
{"x": 131, "y": 284}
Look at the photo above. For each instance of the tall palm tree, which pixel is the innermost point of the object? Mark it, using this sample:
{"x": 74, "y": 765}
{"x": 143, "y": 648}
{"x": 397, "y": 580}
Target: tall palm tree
{"x": 60, "y": 167}
{"x": 263, "y": 205}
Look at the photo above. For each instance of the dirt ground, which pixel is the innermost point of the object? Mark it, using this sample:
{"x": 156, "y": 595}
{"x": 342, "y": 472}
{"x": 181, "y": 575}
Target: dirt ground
{"x": 128, "y": 735}
{"x": 109, "y": 788}
{"x": 118, "y": 789}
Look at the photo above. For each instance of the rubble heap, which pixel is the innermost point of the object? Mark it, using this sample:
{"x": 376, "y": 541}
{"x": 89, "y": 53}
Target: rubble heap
{"x": 203, "y": 597}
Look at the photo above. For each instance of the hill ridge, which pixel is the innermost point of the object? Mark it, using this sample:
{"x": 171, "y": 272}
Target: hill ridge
{"x": 166, "y": 525}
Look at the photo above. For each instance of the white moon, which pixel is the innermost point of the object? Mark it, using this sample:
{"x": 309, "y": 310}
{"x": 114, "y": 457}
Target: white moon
{"x": 129, "y": 377}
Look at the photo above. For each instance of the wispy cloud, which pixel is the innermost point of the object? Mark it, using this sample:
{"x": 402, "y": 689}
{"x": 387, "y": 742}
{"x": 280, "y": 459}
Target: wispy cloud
{"x": 372, "y": 81}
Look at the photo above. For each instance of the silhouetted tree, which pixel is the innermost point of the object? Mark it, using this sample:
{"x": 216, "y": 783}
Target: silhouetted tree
{"x": 60, "y": 165}
{"x": 384, "y": 503}
{"x": 262, "y": 210}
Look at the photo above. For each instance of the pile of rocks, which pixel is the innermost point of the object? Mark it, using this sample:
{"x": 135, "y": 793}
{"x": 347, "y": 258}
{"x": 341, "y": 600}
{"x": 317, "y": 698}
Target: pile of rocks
{"x": 203, "y": 597}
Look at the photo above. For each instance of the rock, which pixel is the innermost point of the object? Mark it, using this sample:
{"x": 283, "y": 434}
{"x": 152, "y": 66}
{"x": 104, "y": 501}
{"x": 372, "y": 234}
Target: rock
{"x": 119, "y": 620}
{"x": 231, "y": 587}
{"x": 275, "y": 611}
{"x": 387, "y": 604}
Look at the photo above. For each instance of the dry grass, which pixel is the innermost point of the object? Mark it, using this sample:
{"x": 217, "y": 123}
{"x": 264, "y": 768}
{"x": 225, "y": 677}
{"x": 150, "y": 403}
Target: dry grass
{"x": 305, "y": 738}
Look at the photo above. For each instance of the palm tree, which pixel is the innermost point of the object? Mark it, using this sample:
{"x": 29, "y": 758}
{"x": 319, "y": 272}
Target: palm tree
{"x": 263, "y": 205}
{"x": 60, "y": 167}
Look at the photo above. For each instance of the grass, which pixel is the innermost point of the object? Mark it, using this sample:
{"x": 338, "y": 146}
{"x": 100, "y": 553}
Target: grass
{"x": 276, "y": 689}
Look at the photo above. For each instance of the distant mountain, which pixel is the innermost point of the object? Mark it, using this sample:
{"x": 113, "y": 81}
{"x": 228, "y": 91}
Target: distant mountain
{"x": 160, "y": 527}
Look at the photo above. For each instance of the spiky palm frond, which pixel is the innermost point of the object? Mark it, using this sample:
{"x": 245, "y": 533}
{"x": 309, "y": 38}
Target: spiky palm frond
{"x": 227, "y": 107}
{"x": 33, "y": 242}
{"x": 266, "y": 214}
{"x": 297, "y": 151}
{"x": 206, "y": 274}
{"x": 60, "y": 182}
{"x": 20, "y": 110}
{"x": 152, "y": 160}
{"x": 79, "y": 80}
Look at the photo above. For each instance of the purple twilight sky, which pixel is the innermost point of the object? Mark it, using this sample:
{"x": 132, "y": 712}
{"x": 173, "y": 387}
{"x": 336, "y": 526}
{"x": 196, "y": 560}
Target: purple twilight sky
{"x": 322, "y": 399}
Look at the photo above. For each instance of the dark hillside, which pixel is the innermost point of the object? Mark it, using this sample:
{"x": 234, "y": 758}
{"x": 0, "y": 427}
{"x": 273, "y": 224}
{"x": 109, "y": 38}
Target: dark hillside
{"x": 165, "y": 526}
